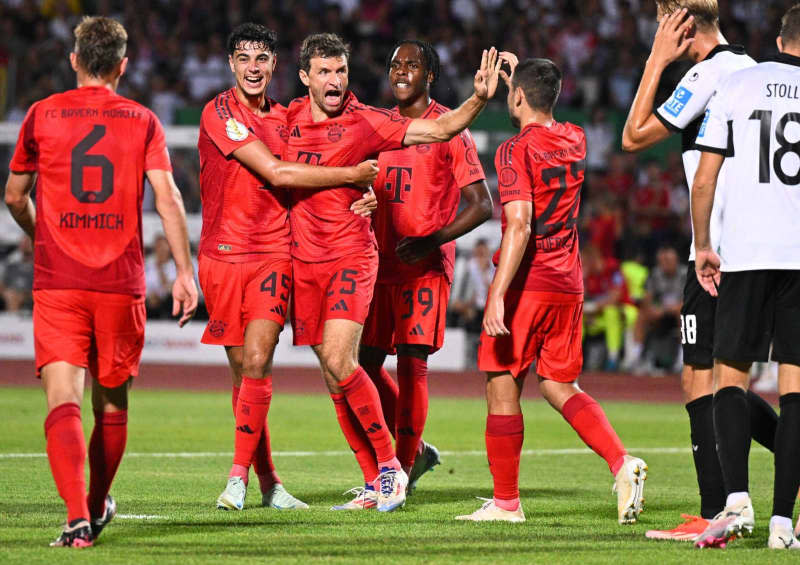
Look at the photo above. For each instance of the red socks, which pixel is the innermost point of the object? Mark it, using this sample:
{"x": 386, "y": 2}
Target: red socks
{"x": 589, "y": 420}
{"x": 388, "y": 393}
{"x": 106, "y": 447}
{"x": 66, "y": 451}
{"x": 262, "y": 458}
{"x": 251, "y": 415}
{"x": 412, "y": 375}
{"x": 504, "y": 436}
{"x": 356, "y": 438}
{"x": 362, "y": 396}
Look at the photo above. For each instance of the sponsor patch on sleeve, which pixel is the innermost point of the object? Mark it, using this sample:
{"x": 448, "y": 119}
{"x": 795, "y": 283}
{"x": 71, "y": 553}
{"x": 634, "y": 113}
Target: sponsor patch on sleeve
{"x": 236, "y": 130}
{"x": 677, "y": 103}
{"x": 702, "y": 131}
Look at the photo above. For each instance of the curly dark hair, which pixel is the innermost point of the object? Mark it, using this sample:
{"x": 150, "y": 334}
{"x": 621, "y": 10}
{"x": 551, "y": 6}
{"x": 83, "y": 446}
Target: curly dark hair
{"x": 429, "y": 56}
{"x": 322, "y": 45}
{"x": 100, "y": 45}
{"x": 250, "y": 32}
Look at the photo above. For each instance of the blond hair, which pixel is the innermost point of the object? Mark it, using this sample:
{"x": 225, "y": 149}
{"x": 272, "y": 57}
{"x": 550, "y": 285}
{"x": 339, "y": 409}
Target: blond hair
{"x": 705, "y": 12}
{"x": 100, "y": 45}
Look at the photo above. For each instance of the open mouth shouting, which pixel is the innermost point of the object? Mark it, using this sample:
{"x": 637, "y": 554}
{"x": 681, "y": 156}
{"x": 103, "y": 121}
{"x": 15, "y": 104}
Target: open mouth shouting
{"x": 254, "y": 81}
{"x": 333, "y": 97}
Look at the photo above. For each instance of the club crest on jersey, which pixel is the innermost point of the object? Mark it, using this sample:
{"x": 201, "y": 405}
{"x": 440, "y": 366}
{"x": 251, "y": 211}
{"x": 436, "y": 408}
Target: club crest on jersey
{"x": 472, "y": 157}
{"x": 677, "y": 103}
{"x": 283, "y": 132}
{"x": 423, "y": 148}
{"x": 335, "y": 133}
{"x": 235, "y": 130}
{"x": 507, "y": 176}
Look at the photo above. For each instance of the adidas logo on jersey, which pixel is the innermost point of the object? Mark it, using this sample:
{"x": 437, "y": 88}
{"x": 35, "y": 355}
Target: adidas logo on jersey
{"x": 296, "y": 132}
{"x": 279, "y": 310}
{"x": 417, "y": 330}
{"x": 341, "y": 305}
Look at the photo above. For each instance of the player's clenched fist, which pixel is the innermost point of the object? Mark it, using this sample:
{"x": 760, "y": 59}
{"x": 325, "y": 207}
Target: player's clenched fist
{"x": 366, "y": 171}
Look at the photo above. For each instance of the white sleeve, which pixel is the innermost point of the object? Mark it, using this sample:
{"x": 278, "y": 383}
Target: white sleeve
{"x": 689, "y": 99}
{"x": 714, "y": 135}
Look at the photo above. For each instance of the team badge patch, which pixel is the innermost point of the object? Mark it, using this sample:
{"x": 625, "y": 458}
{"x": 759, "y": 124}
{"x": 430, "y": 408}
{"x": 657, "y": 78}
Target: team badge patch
{"x": 677, "y": 103}
{"x": 507, "y": 176}
{"x": 217, "y": 328}
{"x": 423, "y": 148}
{"x": 235, "y": 130}
{"x": 335, "y": 133}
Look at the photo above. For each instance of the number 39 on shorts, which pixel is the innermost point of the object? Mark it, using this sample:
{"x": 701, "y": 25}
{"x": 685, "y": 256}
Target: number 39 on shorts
{"x": 688, "y": 329}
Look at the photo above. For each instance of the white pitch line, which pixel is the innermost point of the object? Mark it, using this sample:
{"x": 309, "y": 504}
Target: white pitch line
{"x": 139, "y": 516}
{"x": 468, "y": 453}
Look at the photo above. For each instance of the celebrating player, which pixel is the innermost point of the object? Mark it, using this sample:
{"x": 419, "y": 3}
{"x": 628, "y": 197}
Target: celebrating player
{"x": 690, "y": 29}
{"x": 88, "y": 151}
{"x": 416, "y": 224}
{"x": 245, "y": 266}
{"x": 334, "y": 253}
{"x": 534, "y": 311}
{"x": 752, "y": 121}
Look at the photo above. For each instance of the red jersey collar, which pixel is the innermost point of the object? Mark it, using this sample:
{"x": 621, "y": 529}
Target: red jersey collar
{"x": 244, "y": 107}
{"x": 428, "y": 111}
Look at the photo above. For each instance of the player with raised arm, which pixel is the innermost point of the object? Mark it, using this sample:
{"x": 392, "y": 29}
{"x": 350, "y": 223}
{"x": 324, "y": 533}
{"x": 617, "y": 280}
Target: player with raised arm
{"x": 88, "y": 151}
{"x": 334, "y": 253}
{"x": 534, "y": 311}
{"x": 690, "y": 29}
{"x": 245, "y": 266}
{"x": 753, "y": 122}
{"x": 416, "y": 223}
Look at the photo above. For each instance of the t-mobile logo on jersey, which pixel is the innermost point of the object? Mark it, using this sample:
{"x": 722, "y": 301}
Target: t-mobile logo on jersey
{"x": 400, "y": 184}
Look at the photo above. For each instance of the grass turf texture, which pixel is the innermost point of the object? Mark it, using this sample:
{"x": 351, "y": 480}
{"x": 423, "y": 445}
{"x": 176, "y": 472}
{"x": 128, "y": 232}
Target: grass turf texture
{"x": 570, "y": 509}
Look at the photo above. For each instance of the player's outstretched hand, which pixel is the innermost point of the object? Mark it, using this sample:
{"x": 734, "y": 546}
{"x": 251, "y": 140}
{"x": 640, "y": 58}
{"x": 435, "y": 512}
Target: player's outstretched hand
{"x": 672, "y": 37}
{"x": 366, "y": 205}
{"x": 365, "y": 173}
{"x": 513, "y": 61}
{"x": 184, "y": 297}
{"x": 493, "y": 317}
{"x": 485, "y": 82}
{"x": 414, "y": 249}
{"x": 707, "y": 266}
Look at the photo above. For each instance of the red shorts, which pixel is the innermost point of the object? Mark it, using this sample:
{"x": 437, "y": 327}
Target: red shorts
{"x": 338, "y": 289}
{"x": 410, "y": 313}
{"x": 102, "y": 331}
{"x": 238, "y": 293}
{"x": 545, "y": 327}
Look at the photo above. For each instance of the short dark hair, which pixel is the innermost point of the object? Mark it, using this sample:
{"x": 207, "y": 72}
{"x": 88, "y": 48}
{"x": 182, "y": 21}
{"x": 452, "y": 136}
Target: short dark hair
{"x": 250, "y": 32}
{"x": 322, "y": 45}
{"x": 790, "y": 25}
{"x": 540, "y": 80}
{"x": 100, "y": 45}
{"x": 430, "y": 57}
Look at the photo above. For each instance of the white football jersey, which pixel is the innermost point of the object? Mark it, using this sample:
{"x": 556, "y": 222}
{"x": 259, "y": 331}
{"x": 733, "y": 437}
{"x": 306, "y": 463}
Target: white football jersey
{"x": 683, "y": 112}
{"x": 754, "y": 119}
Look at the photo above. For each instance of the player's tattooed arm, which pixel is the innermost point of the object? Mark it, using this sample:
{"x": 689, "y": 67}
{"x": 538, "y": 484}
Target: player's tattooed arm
{"x": 707, "y": 262}
{"x": 515, "y": 240}
{"x": 169, "y": 205}
{"x": 643, "y": 129}
{"x": 18, "y": 200}
{"x": 286, "y": 174}
{"x": 477, "y": 211}
{"x": 451, "y": 123}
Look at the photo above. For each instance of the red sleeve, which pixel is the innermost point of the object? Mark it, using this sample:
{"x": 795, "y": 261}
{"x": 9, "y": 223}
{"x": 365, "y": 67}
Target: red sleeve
{"x": 225, "y": 131}
{"x": 513, "y": 178}
{"x": 467, "y": 168}
{"x": 156, "y": 155}
{"x": 26, "y": 151}
{"x": 382, "y": 130}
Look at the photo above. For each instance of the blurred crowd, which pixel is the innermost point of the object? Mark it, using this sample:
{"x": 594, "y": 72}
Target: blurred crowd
{"x": 635, "y": 227}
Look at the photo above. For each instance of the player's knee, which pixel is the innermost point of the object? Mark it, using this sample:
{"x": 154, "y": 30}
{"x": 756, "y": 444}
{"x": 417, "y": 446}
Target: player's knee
{"x": 255, "y": 364}
{"x": 341, "y": 366}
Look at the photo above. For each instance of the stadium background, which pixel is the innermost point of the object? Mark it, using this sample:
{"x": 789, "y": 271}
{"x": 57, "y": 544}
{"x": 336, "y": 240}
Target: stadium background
{"x": 632, "y": 204}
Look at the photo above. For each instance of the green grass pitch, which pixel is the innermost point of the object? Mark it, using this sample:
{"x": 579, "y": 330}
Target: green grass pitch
{"x": 179, "y": 452}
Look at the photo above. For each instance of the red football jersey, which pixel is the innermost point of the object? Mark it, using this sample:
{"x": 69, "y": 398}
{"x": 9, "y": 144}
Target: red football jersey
{"x": 243, "y": 217}
{"x": 91, "y": 149}
{"x": 323, "y": 227}
{"x": 545, "y": 166}
{"x": 418, "y": 190}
